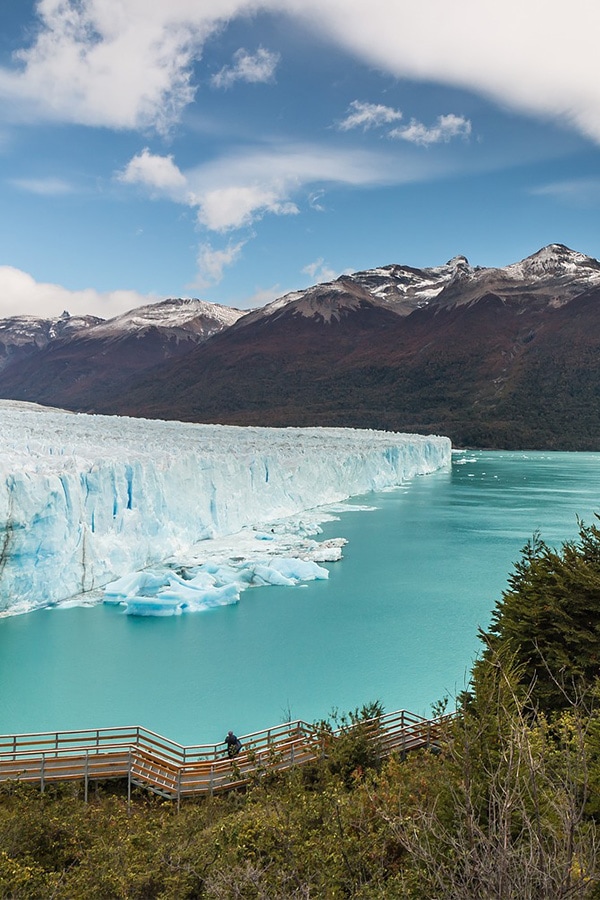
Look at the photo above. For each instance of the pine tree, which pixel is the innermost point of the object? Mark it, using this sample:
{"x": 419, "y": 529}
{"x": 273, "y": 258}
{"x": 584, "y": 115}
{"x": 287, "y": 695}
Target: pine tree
{"x": 549, "y": 619}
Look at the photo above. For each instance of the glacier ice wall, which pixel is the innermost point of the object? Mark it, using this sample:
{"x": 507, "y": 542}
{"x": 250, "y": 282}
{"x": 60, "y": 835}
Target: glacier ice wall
{"x": 85, "y": 499}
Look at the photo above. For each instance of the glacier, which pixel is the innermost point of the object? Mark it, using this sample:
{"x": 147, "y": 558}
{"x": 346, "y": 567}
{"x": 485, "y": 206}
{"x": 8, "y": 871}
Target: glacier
{"x": 170, "y": 516}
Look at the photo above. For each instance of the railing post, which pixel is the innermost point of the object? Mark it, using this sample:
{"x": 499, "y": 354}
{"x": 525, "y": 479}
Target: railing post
{"x": 86, "y": 774}
{"x": 129, "y": 783}
{"x": 42, "y": 785}
{"x": 179, "y": 789}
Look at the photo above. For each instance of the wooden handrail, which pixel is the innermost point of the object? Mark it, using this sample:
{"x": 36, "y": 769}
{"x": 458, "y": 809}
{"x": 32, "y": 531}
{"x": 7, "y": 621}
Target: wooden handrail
{"x": 173, "y": 770}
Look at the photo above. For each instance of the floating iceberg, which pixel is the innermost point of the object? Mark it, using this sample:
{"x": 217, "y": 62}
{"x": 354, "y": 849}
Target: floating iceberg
{"x": 165, "y": 593}
{"x": 86, "y": 500}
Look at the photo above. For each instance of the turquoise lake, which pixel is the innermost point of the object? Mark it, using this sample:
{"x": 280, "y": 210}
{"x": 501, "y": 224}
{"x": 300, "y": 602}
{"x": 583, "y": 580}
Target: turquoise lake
{"x": 396, "y": 621}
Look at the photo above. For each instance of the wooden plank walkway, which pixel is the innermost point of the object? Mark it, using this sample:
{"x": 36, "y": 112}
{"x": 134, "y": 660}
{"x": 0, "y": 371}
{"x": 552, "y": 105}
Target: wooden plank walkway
{"x": 160, "y": 765}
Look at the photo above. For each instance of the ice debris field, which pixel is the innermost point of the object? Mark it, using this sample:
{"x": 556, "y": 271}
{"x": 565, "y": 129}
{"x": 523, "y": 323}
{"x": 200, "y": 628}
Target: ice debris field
{"x": 167, "y": 517}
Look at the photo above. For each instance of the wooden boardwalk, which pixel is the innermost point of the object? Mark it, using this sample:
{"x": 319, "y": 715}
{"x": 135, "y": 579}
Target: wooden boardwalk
{"x": 158, "y": 764}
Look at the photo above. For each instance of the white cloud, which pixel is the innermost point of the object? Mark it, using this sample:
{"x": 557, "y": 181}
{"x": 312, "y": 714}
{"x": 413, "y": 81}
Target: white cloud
{"x": 319, "y": 272}
{"x": 252, "y": 68}
{"x": 314, "y": 200}
{"x": 237, "y": 205}
{"x": 45, "y": 187}
{"x": 445, "y": 128}
{"x": 155, "y": 172}
{"x": 212, "y": 262}
{"x": 368, "y": 115}
{"x": 20, "y": 294}
{"x": 295, "y": 164}
{"x": 578, "y": 192}
{"x": 223, "y": 201}
{"x": 235, "y": 190}
{"x": 375, "y": 115}
{"x": 115, "y": 63}
{"x": 128, "y": 63}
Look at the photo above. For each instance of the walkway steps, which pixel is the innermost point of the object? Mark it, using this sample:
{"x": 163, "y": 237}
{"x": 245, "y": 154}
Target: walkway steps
{"x": 171, "y": 770}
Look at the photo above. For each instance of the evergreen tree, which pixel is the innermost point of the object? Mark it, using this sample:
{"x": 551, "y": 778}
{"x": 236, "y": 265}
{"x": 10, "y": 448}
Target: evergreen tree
{"x": 549, "y": 619}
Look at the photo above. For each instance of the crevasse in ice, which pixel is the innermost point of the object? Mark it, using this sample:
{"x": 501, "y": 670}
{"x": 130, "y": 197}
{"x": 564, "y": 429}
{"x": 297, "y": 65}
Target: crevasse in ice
{"x": 86, "y": 500}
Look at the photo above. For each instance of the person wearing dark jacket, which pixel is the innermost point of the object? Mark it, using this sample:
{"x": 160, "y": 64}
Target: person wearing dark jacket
{"x": 234, "y": 745}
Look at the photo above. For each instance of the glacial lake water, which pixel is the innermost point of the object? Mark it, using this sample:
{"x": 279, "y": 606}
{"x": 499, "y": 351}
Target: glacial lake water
{"x": 396, "y": 621}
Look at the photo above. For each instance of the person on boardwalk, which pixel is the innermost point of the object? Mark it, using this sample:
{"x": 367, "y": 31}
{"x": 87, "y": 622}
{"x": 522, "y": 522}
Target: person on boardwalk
{"x": 234, "y": 745}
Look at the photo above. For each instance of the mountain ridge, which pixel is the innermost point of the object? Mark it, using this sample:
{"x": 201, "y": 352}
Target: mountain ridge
{"x": 492, "y": 357}
{"x": 64, "y": 357}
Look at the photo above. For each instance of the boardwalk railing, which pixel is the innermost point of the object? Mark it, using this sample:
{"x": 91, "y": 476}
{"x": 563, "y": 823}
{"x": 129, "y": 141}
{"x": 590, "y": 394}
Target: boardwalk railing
{"x": 154, "y": 762}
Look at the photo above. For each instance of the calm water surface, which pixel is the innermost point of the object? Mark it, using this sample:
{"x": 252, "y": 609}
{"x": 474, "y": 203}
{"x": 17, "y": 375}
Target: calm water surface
{"x": 397, "y": 621}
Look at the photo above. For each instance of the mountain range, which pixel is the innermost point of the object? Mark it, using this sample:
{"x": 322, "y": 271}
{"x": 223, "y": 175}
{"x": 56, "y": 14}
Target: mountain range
{"x": 492, "y": 357}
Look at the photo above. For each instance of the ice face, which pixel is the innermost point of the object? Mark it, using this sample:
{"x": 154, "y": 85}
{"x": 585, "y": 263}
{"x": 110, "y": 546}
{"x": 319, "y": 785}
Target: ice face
{"x": 86, "y": 500}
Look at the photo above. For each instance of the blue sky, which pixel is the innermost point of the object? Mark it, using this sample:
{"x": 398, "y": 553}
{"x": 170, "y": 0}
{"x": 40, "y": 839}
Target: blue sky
{"x": 236, "y": 150}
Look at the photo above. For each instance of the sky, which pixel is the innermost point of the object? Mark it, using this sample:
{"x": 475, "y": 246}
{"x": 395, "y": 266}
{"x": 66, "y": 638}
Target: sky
{"x": 235, "y": 150}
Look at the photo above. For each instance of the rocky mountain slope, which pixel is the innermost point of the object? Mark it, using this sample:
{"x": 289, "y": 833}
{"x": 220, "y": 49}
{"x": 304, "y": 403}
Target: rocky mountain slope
{"x": 502, "y": 357}
{"x": 23, "y": 336}
{"x": 61, "y": 362}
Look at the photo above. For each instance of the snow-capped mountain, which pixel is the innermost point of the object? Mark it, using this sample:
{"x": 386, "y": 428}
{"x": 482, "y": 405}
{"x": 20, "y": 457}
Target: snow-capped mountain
{"x": 406, "y": 288}
{"x": 503, "y": 357}
{"x": 327, "y": 302}
{"x": 552, "y": 276}
{"x": 401, "y": 289}
{"x": 557, "y": 262}
{"x": 58, "y": 360}
{"x": 22, "y": 335}
{"x": 181, "y": 318}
